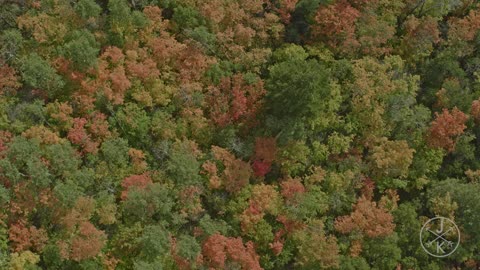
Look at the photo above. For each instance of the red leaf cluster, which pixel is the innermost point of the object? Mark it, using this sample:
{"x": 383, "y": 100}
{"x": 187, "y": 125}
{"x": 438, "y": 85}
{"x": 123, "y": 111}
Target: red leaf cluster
{"x": 286, "y": 7}
{"x": 289, "y": 226}
{"x": 23, "y": 201}
{"x": 265, "y": 153}
{"x": 261, "y": 168}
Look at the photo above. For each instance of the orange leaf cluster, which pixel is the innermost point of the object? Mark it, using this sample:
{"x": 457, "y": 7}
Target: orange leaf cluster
{"x": 138, "y": 160}
{"x": 421, "y": 33}
{"x": 368, "y": 186}
{"x": 235, "y": 175}
{"x": 110, "y": 79}
{"x": 291, "y": 188}
{"x": 9, "y": 81}
{"x": 475, "y": 110}
{"x": 265, "y": 148}
{"x": 187, "y": 59}
{"x": 44, "y": 27}
{"x": 79, "y": 136}
{"x": 445, "y": 128}
{"x": 23, "y": 238}
{"x": 219, "y": 251}
{"x": 82, "y": 211}
{"x": 234, "y": 100}
{"x": 140, "y": 65}
{"x": 464, "y": 28}
{"x": 190, "y": 202}
{"x": 264, "y": 199}
{"x": 83, "y": 239}
{"x": 62, "y": 113}
{"x": 88, "y": 243}
{"x": 141, "y": 181}
{"x": 43, "y": 134}
{"x": 5, "y": 138}
{"x": 64, "y": 67}
{"x": 98, "y": 126}
{"x": 367, "y": 218}
{"x": 336, "y": 24}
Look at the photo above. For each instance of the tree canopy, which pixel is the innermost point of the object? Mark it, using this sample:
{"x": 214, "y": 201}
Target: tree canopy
{"x": 237, "y": 134}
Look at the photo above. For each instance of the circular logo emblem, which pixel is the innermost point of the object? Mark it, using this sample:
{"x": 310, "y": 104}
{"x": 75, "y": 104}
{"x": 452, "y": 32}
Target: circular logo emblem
{"x": 440, "y": 237}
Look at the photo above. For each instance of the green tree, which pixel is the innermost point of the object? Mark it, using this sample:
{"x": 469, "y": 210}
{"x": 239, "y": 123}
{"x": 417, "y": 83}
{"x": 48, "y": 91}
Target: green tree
{"x": 466, "y": 216}
{"x": 133, "y": 123}
{"x": 82, "y": 49}
{"x": 10, "y": 45}
{"x": 300, "y": 97}
{"x": 88, "y": 9}
{"x": 37, "y": 73}
{"x": 183, "y": 164}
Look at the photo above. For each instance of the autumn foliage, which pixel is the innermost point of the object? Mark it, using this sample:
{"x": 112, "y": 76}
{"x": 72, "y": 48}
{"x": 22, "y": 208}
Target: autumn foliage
{"x": 233, "y": 177}
{"x": 220, "y": 252}
{"x": 446, "y": 127}
{"x": 336, "y": 25}
{"x": 265, "y": 154}
{"x": 135, "y": 182}
{"x": 237, "y": 134}
{"x": 367, "y": 218}
{"x": 234, "y": 101}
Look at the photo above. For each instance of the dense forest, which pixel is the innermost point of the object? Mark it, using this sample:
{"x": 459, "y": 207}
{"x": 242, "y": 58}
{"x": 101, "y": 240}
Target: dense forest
{"x": 237, "y": 134}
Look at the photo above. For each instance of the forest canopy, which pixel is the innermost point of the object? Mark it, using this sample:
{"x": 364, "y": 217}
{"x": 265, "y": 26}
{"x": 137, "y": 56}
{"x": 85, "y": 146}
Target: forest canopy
{"x": 237, "y": 134}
